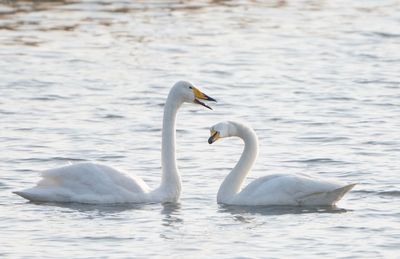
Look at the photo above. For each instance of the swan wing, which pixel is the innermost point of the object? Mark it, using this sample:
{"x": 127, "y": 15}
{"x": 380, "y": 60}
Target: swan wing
{"x": 325, "y": 198}
{"x": 286, "y": 189}
{"x": 86, "y": 183}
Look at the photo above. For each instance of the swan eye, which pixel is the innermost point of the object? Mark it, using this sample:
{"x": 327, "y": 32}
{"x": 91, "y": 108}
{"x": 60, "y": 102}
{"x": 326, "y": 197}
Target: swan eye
{"x": 190, "y": 87}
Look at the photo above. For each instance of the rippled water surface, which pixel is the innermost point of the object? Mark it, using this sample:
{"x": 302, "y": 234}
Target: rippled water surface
{"x": 87, "y": 80}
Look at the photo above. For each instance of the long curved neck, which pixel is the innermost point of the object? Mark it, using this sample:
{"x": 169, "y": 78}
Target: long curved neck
{"x": 170, "y": 181}
{"x": 231, "y": 184}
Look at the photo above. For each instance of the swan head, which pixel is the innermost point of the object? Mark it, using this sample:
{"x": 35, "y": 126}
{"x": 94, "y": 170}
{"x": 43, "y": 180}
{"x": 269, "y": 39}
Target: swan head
{"x": 221, "y": 130}
{"x": 190, "y": 94}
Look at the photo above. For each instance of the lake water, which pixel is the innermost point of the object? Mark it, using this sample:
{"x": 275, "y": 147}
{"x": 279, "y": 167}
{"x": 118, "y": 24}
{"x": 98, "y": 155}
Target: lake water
{"x": 87, "y": 80}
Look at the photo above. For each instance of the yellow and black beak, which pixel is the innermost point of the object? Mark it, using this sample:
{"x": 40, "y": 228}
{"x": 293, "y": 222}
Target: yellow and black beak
{"x": 198, "y": 95}
{"x": 214, "y": 137}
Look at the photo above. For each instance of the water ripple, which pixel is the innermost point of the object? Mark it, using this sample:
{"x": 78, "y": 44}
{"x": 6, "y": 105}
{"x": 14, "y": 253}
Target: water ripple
{"x": 87, "y": 81}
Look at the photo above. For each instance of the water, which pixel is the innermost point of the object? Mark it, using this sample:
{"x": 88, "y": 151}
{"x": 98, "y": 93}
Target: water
{"x": 86, "y": 80}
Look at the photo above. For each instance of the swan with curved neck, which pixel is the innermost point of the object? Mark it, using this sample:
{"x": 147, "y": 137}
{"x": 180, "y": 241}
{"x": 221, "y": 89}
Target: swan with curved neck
{"x": 97, "y": 183}
{"x": 276, "y": 189}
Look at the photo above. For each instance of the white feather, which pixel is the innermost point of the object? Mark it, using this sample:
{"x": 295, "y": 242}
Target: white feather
{"x": 276, "y": 189}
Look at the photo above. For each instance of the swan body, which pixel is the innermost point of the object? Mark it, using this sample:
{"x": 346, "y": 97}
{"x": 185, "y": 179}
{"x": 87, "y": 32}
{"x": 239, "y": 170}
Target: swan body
{"x": 276, "y": 189}
{"x": 97, "y": 183}
{"x": 87, "y": 183}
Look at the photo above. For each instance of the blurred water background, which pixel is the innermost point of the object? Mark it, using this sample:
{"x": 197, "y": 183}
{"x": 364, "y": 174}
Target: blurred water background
{"x": 87, "y": 80}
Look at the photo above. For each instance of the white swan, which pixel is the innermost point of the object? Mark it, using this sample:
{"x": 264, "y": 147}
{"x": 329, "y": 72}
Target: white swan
{"x": 96, "y": 183}
{"x": 276, "y": 189}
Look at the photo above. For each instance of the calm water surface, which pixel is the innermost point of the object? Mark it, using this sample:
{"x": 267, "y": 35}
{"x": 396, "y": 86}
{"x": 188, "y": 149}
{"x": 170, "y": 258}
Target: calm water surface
{"x": 86, "y": 81}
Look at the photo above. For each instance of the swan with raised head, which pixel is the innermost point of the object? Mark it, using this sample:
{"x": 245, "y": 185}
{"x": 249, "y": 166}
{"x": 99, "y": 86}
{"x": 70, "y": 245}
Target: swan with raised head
{"x": 97, "y": 183}
{"x": 276, "y": 189}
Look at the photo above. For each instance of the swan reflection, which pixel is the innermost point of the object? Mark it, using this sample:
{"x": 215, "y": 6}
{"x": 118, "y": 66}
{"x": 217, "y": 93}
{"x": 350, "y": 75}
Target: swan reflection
{"x": 171, "y": 213}
{"x": 277, "y": 210}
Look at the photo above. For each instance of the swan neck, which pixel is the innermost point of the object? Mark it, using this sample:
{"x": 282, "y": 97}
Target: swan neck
{"x": 232, "y": 183}
{"x": 170, "y": 181}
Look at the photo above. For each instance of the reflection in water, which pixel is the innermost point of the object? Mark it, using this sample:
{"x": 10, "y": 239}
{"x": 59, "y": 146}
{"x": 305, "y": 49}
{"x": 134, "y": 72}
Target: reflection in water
{"x": 276, "y": 210}
{"x": 247, "y": 214}
{"x": 171, "y": 220}
{"x": 171, "y": 212}
{"x": 101, "y": 208}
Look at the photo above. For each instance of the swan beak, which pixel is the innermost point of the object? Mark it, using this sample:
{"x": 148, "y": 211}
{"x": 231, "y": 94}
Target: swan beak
{"x": 214, "y": 137}
{"x": 202, "y": 96}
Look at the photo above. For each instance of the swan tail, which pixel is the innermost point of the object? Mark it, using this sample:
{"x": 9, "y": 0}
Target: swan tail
{"x": 41, "y": 195}
{"x": 27, "y": 195}
{"x": 325, "y": 198}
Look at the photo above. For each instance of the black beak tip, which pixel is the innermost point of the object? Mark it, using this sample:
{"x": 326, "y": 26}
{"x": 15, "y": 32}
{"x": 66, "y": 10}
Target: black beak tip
{"x": 210, "y": 141}
{"x": 202, "y": 104}
{"x": 211, "y": 99}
